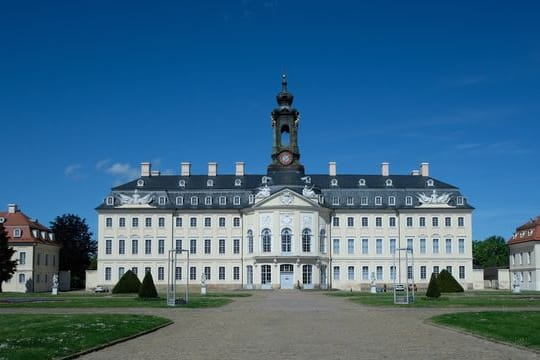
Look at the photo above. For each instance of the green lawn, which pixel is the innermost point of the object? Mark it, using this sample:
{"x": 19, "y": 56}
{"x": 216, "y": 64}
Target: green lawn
{"x": 52, "y": 336}
{"x": 71, "y": 300}
{"x": 458, "y": 300}
{"x": 516, "y": 327}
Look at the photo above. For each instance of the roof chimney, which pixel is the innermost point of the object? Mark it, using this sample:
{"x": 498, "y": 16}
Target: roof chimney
{"x": 424, "y": 169}
{"x": 239, "y": 168}
{"x": 185, "y": 169}
{"x": 12, "y": 208}
{"x": 145, "y": 169}
{"x": 332, "y": 168}
{"x": 415, "y": 172}
{"x": 385, "y": 169}
{"x": 155, "y": 173}
{"x": 212, "y": 169}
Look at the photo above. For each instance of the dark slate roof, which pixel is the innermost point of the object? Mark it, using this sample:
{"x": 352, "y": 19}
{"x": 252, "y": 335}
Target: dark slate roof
{"x": 354, "y": 187}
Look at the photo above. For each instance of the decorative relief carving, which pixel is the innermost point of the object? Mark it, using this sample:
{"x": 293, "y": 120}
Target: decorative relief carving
{"x": 286, "y": 198}
{"x": 266, "y": 220}
{"x": 286, "y": 219}
{"x": 307, "y": 220}
{"x": 135, "y": 199}
{"x": 434, "y": 199}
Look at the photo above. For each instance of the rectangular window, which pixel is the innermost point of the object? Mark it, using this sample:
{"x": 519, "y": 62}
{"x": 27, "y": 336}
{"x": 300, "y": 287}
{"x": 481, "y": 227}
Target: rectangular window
{"x": 336, "y": 246}
{"x": 161, "y": 273}
{"x": 461, "y": 246}
{"x": 162, "y": 200}
{"x": 22, "y": 258}
{"x": 378, "y": 246}
{"x": 392, "y": 272}
{"x": 365, "y": 222}
{"x": 222, "y": 246}
{"x": 422, "y": 246}
{"x": 193, "y": 246}
{"x": 236, "y": 246}
{"x": 148, "y": 222}
{"x": 178, "y": 244}
{"x": 108, "y": 247}
{"x": 194, "y": 200}
{"x": 422, "y": 221}
{"x": 178, "y": 273}
{"x": 135, "y": 222}
{"x": 221, "y": 222}
{"x": 221, "y": 275}
{"x": 423, "y": 273}
{"x": 335, "y": 200}
{"x": 335, "y": 221}
{"x": 409, "y": 221}
{"x": 193, "y": 222}
{"x": 107, "y": 274}
{"x": 236, "y": 222}
{"x": 435, "y": 246}
{"x": 365, "y": 273}
{"x": 392, "y": 221}
{"x": 436, "y": 270}
{"x": 207, "y": 273}
{"x": 236, "y": 200}
{"x": 108, "y": 222}
{"x": 459, "y": 200}
{"x": 122, "y": 222}
{"x": 350, "y": 273}
{"x": 121, "y": 247}
{"x": 410, "y": 244}
{"x": 462, "y": 272}
{"x": 178, "y": 222}
{"x": 179, "y": 200}
{"x": 193, "y": 273}
{"x": 350, "y": 200}
{"x": 350, "y": 221}
{"x": 147, "y": 246}
{"x": 408, "y": 200}
{"x": 391, "y": 200}
{"x": 378, "y": 221}
{"x": 46, "y": 260}
{"x": 336, "y": 272}
{"x": 379, "y": 273}
{"x": 434, "y": 221}
{"x": 134, "y": 246}
{"x": 409, "y": 272}
{"x": 222, "y": 200}
{"x": 121, "y": 272}
{"x": 350, "y": 246}
{"x": 364, "y": 201}
{"x": 207, "y": 222}
{"x": 161, "y": 246}
{"x": 461, "y": 221}
{"x": 449, "y": 269}
{"x": 378, "y": 200}
{"x": 236, "y": 273}
{"x": 392, "y": 246}
{"x": 448, "y": 246}
{"x": 365, "y": 246}
{"x": 208, "y": 200}
{"x": 161, "y": 222}
{"x": 207, "y": 246}
{"x": 447, "y": 221}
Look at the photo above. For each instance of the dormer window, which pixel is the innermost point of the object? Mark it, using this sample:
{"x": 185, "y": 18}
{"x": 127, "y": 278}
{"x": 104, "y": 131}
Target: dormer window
{"x": 110, "y": 200}
{"x": 429, "y": 182}
{"x": 408, "y": 200}
{"x": 307, "y": 179}
{"x": 392, "y": 200}
{"x": 334, "y": 182}
{"x": 350, "y": 200}
{"x": 162, "y": 200}
{"x": 238, "y": 182}
{"x": 530, "y": 232}
{"x": 378, "y": 200}
{"x": 208, "y": 200}
{"x": 17, "y": 232}
{"x": 43, "y": 235}
{"x": 459, "y": 200}
{"x": 388, "y": 182}
{"x": 179, "y": 200}
{"x": 335, "y": 200}
{"x": 35, "y": 232}
{"x": 194, "y": 200}
{"x": 222, "y": 200}
{"x": 251, "y": 198}
{"x": 236, "y": 200}
{"x": 140, "y": 183}
{"x": 362, "y": 182}
{"x": 182, "y": 183}
{"x": 364, "y": 201}
{"x": 51, "y": 236}
{"x": 209, "y": 182}
{"x": 321, "y": 199}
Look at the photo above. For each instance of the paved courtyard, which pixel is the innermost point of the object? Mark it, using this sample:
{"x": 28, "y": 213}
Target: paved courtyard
{"x": 302, "y": 325}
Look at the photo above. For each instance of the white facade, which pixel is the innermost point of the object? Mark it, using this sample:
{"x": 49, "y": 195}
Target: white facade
{"x": 524, "y": 265}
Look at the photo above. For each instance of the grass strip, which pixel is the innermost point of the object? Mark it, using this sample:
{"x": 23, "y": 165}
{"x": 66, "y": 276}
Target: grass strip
{"x": 29, "y": 336}
{"x": 515, "y": 327}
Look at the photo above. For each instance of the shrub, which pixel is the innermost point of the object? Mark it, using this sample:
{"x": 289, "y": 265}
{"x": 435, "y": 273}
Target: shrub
{"x": 433, "y": 289}
{"x": 447, "y": 283}
{"x": 129, "y": 284}
{"x": 148, "y": 289}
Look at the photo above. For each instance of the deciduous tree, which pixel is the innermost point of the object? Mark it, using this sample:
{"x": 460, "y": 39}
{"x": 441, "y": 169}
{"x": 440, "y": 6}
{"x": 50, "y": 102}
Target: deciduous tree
{"x": 7, "y": 266}
{"x": 491, "y": 252}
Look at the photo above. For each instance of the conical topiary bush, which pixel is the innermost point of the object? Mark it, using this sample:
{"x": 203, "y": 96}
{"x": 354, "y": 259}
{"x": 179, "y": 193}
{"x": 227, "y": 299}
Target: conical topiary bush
{"x": 129, "y": 283}
{"x": 433, "y": 289}
{"x": 148, "y": 289}
{"x": 447, "y": 283}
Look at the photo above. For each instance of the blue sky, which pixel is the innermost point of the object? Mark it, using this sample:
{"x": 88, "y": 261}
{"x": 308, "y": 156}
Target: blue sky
{"x": 89, "y": 89}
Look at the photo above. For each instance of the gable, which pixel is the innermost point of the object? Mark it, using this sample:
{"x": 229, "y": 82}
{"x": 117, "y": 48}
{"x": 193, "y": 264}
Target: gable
{"x": 285, "y": 198}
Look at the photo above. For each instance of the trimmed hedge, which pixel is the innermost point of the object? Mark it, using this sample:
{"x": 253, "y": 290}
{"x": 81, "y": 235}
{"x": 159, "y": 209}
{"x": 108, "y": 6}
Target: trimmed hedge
{"x": 447, "y": 283}
{"x": 129, "y": 283}
{"x": 433, "y": 289}
{"x": 148, "y": 289}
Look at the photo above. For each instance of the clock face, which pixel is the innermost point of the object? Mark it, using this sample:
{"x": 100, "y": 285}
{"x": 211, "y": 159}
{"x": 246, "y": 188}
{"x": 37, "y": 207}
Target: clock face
{"x": 285, "y": 158}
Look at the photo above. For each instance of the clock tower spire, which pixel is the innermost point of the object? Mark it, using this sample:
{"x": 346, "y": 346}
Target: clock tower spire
{"x": 285, "y": 119}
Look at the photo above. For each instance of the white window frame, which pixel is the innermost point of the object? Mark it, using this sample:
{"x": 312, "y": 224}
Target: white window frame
{"x": 194, "y": 200}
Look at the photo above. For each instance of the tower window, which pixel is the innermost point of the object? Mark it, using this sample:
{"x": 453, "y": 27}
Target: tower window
{"x": 285, "y": 136}
{"x": 334, "y": 182}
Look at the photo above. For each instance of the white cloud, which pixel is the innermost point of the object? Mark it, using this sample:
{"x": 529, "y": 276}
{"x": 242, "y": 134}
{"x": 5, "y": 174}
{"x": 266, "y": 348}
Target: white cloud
{"x": 122, "y": 170}
{"x": 74, "y": 171}
{"x": 102, "y": 164}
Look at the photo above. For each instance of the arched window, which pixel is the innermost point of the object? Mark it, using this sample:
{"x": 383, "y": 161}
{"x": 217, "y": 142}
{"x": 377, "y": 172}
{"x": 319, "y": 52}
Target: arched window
{"x": 250, "y": 241}
{"x": 286, "y": 243}
{"x": 306, "y": 240}
{"x": 322, "y": 241}
{"x": 266, "y": 237}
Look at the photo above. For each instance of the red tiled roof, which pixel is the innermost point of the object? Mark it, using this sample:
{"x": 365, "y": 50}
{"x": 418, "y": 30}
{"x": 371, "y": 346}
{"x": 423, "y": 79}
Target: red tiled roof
{"x": 19, "y": 220}
{"x": 530, "y": 231}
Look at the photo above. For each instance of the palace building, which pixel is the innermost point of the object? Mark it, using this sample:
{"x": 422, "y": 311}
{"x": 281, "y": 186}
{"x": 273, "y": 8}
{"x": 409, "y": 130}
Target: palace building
{"x": 285, "y": 228}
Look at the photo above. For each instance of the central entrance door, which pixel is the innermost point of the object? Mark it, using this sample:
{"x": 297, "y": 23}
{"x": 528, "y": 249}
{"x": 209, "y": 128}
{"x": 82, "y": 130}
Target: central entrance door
{"x": 286, "y": 274}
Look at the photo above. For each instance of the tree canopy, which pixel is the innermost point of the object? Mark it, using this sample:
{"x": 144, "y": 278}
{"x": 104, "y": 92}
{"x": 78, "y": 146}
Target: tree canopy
{"x": 491, "y": 252}
{"x": 74, "y": 235}
{"x": 7, "y": 266}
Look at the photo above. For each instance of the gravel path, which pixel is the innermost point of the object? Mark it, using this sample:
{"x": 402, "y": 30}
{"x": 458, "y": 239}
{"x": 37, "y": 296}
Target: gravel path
{"x": 299, "y": 325}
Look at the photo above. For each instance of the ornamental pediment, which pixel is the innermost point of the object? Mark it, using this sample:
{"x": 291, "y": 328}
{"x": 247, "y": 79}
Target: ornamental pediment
{"x": 284, "y": 198}
{"x": 434, "y": 200}
{"x": 135, "y": 200}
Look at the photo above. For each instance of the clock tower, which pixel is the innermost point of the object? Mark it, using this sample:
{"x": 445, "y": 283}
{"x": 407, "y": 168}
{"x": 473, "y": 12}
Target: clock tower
{"x": 285, "y": 119}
